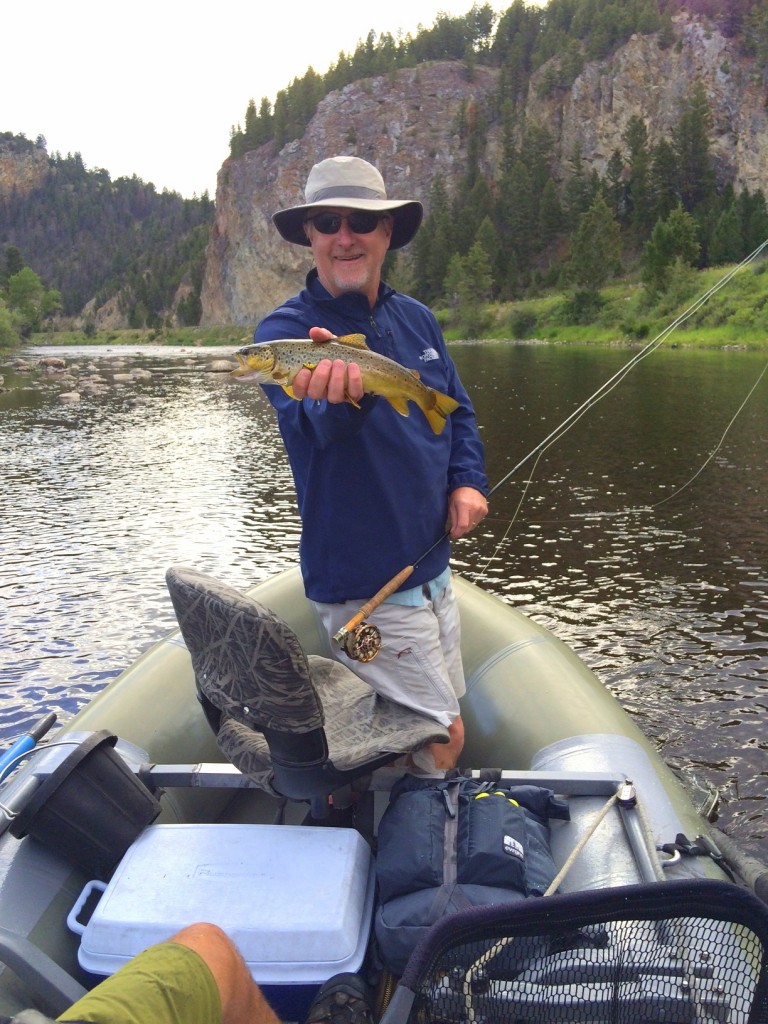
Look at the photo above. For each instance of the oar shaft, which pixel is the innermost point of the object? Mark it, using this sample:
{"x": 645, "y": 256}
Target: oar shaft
{"x": 25, "y": 743}
{"x": 38, "y": 731}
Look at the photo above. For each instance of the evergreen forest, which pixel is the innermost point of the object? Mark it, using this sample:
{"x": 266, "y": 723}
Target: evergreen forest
{"x": 658, "y": 209}
{"x": 658, "y": 212}
{"x": 89, "y": 237}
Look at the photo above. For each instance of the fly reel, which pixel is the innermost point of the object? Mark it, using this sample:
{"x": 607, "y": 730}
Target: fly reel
{"x": 361, "y": 643}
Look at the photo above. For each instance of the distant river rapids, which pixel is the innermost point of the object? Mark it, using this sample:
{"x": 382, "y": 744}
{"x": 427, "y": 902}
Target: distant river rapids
{"x": 663, "y": 594}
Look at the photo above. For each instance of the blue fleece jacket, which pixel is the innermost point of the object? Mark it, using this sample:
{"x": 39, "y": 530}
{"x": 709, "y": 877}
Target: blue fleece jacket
{"x": 373, "y": 485}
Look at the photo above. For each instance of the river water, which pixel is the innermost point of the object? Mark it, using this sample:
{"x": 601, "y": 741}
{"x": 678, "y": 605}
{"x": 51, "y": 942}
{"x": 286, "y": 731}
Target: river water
{"x": 640, "y": 537}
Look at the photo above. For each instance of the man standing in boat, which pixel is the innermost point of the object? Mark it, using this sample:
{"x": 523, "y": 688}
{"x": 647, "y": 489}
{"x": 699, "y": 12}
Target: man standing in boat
{"x": 376, "y": 488}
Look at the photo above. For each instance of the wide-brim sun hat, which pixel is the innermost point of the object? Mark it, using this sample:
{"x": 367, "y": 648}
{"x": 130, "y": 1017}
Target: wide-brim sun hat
{"x": 349, "y": 183}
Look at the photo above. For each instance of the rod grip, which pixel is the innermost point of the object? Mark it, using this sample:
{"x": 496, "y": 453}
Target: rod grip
{"x": 374, "y": 602}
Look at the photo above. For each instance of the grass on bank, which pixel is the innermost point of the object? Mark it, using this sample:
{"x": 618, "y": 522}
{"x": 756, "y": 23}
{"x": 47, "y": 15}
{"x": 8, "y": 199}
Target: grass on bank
{"x": 735, "y": 316}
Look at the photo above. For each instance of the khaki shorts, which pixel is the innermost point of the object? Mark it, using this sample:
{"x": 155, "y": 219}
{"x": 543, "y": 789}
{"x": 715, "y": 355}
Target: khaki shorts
{"x": 419, "y": 664}
{"x": 166, "y": 984}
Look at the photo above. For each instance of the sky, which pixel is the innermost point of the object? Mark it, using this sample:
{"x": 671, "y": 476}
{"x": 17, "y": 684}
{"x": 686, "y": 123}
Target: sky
{"x": 154, "y": 88}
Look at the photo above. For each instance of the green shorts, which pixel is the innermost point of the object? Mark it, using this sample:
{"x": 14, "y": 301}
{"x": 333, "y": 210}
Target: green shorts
{"x": 166, "y": 984}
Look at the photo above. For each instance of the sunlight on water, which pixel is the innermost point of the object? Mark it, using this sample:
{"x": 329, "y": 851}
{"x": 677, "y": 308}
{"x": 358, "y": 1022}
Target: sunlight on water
{"x": 105, "y": 495}
{"x": 667, "y": 600}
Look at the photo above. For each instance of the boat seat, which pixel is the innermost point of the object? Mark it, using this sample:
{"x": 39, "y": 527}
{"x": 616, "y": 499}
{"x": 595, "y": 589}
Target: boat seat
{"x": 683, "y": 950}
{"x": 299, "y": 726}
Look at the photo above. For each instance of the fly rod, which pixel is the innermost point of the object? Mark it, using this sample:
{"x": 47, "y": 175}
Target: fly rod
{"x": 360, "y": 640}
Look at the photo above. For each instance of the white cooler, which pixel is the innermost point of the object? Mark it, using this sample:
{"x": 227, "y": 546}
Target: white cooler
{"x": 297, "y": 901}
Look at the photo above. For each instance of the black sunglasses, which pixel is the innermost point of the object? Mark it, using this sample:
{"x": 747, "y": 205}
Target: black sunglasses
{"x": 361, "y": 222}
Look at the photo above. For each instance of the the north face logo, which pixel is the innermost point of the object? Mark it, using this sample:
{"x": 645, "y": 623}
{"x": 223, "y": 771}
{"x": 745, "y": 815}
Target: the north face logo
{"x": 428, "y": 355}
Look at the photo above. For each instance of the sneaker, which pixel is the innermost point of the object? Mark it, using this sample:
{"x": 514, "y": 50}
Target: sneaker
{"x": 343, "y": 999}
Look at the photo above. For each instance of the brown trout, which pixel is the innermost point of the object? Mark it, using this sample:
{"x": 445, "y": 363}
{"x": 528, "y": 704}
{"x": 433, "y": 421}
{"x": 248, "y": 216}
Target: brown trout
{"x": 278, "y": 362}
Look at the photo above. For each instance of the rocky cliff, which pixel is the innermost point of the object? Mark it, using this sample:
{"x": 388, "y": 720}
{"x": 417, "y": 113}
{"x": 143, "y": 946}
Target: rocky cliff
{"x": 21, "y": 168}
{"x": 406, "y": 123}
{"x": 644, "y": 80}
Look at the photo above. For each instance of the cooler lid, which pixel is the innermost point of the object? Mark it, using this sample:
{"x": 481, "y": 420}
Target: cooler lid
{"x": 297, "y": 900}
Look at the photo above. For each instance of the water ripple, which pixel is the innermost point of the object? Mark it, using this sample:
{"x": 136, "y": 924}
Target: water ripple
{"x": 668, "y": 604}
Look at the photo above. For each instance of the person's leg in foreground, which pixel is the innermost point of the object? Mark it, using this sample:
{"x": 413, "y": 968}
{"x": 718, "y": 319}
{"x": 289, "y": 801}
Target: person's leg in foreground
{"x": 197, "y": 977}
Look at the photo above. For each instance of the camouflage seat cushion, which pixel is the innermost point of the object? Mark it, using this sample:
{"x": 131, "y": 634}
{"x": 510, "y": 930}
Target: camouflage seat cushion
{"x": 250, "y": 665}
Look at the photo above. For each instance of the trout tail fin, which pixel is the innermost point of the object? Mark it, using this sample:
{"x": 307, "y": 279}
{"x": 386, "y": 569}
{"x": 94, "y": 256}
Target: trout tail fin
{"x": 439, "y": 412}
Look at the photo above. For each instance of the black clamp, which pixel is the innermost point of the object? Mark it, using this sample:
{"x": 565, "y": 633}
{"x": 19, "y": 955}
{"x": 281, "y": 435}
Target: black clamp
{"x": 701, "y": 846}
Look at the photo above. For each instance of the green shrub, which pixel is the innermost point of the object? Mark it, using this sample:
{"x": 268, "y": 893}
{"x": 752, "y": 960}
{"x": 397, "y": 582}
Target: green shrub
{"x": 9, "y": 336}
{"x": 522, "y": 324}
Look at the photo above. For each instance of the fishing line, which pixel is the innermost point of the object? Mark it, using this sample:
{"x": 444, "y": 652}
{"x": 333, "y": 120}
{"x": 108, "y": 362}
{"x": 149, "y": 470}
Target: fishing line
{"x": 605, "y": 389}
{"x": 356, "y": 628}
{"x": 684, "y": 486}
{"x": 483, "y": 569}
{"x": 618, "y": 377}
{"x": 638, "y": 509}
{"x": 717, "y": 447}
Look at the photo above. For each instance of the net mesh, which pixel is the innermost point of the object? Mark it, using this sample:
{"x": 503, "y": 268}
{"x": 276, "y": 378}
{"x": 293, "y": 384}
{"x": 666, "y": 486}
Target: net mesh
{"x": 685, "y": 962}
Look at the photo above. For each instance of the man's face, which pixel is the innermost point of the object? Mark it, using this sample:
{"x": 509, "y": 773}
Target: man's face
{"x": 349, "y": 261}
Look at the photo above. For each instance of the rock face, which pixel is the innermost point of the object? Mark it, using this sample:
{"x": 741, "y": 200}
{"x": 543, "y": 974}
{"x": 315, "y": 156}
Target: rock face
{"x": 644, "y": 80}
{"x": 407, "y": 124}
{"x": 21, "y": 169}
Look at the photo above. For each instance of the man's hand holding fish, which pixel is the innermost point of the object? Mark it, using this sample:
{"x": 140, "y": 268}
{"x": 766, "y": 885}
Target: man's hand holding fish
{"x": 335, "y": 381}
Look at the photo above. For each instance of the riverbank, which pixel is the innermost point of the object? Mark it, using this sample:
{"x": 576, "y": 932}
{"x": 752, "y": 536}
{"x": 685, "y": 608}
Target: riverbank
{"x": 175, "y": 337}
{"x": 719, "y": 308}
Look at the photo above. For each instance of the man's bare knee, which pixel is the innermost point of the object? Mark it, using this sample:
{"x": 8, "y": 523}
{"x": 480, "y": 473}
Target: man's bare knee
{"x": 201, "y": 932}
{"x": 241, "y": 998}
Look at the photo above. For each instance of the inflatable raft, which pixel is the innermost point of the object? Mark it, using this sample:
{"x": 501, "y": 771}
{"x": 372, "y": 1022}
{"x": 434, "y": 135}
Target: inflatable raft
{"x": 130, "y": 823}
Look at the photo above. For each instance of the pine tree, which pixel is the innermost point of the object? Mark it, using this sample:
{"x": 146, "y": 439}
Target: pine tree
{"x": 673, "y": 239}
{"x": 517, "y": 209}
{"x": 550, "y": 214}
{"x": 726, "y": 244}
{"x": 595, "y": 250}
{"x": 474, "y": 289}
{"x": 753, "y": 216}
{"x": 434, "y": 244}
{"x": 14, "y": 262}
{"x": 251, "y": 124}
{"x": 577, "y": 191}
{"x": 452, "y": 281}
{"x": 487, "y": 238}
{"x": 638, "y": 189}
{"x": 664, "y": 180}
{"x": 614, "y": 186}
{"x": 690, "y": 141}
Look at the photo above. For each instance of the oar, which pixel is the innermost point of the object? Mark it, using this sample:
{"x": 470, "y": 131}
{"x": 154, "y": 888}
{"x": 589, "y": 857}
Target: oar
{"x": 25, "y": 743}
